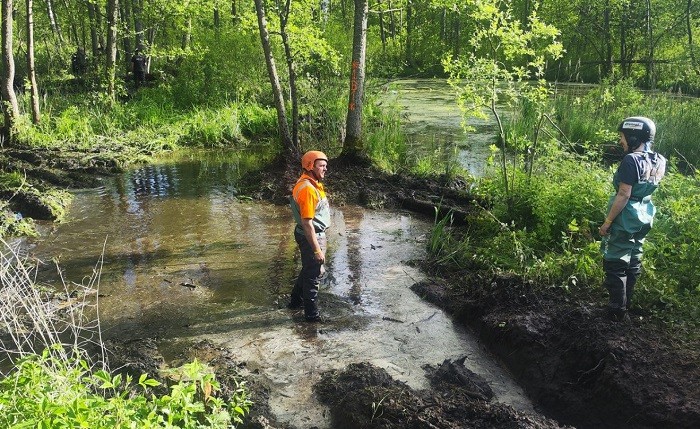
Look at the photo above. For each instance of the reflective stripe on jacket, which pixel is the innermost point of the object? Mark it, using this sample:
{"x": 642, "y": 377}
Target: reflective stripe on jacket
{"x": 307, "y": 188}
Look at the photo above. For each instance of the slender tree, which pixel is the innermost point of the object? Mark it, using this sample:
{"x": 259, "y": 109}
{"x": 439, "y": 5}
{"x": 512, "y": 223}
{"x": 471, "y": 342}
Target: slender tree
{"x": 353, "y": 145}
{"x": 285, "y": 137}
{"x": 111, "y": 66}
{"x": 55, "y": 28}
{"x": 94, "y": 38}
{"x": 127, "y": 37}
{"x": 284, "y": 13}
{"x": 36, "y": 116}
{"x": 137, "y": 8}
{"x": 651, "y": 78}
{"x": 689, "y": 29}
{"x": 10, "y": 107}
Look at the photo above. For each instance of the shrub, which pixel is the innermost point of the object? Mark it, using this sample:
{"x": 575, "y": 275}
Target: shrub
{"x": 46, "y": 392}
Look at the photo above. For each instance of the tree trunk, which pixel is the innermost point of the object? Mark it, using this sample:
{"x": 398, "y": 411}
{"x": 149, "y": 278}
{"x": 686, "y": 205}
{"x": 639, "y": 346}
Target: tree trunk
{"x": 125, "y": 7}
{"x": 409, "y": 33}
{"x": 72, "y": 22}
{"x": 382, "y": 33}
{"x": 325, "y": 11}
{"x": 234, "y": 12}
{"x": 457, "y": 34}
{"x": 36, "y": 117}
{"x": 443, "y": 24}
{"x": 608, "y": 40}
{"x": 10, "y": 107}
{"x": 217, "y": 18}
{"x": 284, "y": 19}
{"x": 689, "y": 28}
{"x": 187, "y": 35}
{"x": 392, "y": 21}
{"x": 651, "y": 79}
{"x": 285, "y": 138}
{"x": 111, "y": 65}
{"x": 137, "y": 8}
{"x": 54, "y": 23}
{"x": 353, "y": 145}
{"x": 623, "y": 45}
{"x": 100, "y": 29}
{"x": 93, "y": 33}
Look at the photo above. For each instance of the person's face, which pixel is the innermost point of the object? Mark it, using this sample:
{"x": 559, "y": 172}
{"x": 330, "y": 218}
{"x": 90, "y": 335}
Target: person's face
{"x": 320, "y": 167}
{"x": 623, "y": 142}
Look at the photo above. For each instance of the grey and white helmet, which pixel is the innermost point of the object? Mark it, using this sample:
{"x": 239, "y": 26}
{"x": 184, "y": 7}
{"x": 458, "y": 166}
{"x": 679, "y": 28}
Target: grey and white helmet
{"x": 638, "y": 130}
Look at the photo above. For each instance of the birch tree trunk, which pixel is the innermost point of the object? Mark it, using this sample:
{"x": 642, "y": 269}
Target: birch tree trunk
{"x": 10, "y": 107}
{"x": 282, "y": 126}
{"x": 353, "y": 145}
{"x": 111, "y": 66}
{"x": 54, "y": 23}
{"x": 127, "y": 38}
{"x": 293, "y": 93}
{"x": 36, "y": 116}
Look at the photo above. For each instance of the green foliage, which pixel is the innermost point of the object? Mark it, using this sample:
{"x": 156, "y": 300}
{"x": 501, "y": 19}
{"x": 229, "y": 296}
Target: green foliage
{"x": 548, "y": 234}
{"x": 493, "y": 76}
{"x": 47, "y": 392}
{"x": 671, "y": 255}
{"x": 385, "y": 142}
{"x": 590, "y": 120}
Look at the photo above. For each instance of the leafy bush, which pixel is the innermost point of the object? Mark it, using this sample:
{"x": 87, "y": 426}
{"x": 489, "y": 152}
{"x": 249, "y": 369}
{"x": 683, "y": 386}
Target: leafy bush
{"x": 46, "y": 392}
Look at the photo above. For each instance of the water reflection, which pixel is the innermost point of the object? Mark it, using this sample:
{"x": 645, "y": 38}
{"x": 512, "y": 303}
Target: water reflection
{"x": 432, "y": 121}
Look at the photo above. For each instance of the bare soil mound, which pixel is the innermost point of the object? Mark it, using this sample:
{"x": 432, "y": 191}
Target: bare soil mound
{"x": 364, "y": 396}
{"x": 576, "y": 365}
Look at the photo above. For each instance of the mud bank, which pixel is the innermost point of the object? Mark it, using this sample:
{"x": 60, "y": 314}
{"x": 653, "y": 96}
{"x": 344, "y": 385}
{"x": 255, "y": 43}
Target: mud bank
{"x": 577, "y": 366}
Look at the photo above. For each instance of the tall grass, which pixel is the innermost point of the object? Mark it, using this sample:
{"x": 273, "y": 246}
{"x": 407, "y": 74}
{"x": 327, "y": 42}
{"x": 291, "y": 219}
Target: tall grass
{"x": 591, "y": 120}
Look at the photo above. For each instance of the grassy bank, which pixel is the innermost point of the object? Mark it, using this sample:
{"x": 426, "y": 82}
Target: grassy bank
{"x": 544, "y": 228}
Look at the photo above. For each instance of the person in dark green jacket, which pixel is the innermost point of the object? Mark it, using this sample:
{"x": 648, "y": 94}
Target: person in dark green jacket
{"x": 630, "y": 212}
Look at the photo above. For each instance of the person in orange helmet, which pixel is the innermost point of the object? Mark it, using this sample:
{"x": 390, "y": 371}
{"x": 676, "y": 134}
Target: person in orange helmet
{"x": 312, "y": 215}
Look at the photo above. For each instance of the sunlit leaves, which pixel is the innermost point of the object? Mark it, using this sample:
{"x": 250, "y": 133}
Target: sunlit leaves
{"x": 44, "y": 392}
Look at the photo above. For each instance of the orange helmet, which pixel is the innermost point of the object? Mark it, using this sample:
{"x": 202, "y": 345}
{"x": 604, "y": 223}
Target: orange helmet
{"x": 310, "y": 157}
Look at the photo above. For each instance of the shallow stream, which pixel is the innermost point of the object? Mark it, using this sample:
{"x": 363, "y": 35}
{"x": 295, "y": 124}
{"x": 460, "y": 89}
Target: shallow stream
{"x": 185, "y": 258}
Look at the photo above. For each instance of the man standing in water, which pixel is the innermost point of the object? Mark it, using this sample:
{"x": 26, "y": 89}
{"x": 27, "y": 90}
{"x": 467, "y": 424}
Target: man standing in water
{"x": 312, "y": 215}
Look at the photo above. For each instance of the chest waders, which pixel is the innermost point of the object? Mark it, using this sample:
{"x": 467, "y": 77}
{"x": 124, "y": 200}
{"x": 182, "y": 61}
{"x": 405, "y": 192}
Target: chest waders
{"x": 307, "y": 284}
{"x": 622, "y": 247}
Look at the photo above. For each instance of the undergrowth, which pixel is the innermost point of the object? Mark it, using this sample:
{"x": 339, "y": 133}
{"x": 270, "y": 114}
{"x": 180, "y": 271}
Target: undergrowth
{"x": 54, "y": 382}
{"x": 545, "y": 229}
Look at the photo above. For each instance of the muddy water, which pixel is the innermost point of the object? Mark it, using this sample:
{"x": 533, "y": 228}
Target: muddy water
{"x": 432, "y": 121}
{"x": 186, "y": 259}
